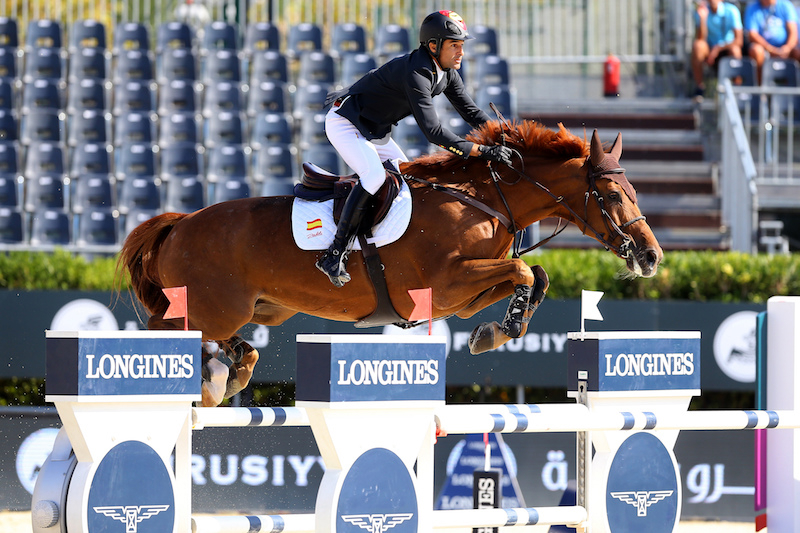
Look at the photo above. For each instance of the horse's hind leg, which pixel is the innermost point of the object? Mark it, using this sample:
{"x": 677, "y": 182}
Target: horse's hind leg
{"x": 243, "y": 358}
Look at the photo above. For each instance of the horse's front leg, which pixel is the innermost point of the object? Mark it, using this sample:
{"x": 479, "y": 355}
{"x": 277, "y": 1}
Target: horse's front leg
{"x": 529, "y": 289}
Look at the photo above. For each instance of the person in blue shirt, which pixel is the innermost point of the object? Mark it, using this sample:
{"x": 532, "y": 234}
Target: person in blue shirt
{"x": 771, "y": 27}
{"x": 718, "y": 33}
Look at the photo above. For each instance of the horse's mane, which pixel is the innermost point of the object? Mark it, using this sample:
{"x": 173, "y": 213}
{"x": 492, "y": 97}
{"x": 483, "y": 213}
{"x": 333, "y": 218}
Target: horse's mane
{"x": 530, "y": 138}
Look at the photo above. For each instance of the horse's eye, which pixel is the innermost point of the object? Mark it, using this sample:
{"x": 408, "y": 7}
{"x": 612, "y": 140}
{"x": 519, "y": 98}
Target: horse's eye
{"x": 614, "y": 196}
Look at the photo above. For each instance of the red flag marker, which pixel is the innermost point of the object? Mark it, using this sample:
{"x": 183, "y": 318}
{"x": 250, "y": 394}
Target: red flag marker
{"x": 423, "y": 306}
{"x": 177, "y": 305}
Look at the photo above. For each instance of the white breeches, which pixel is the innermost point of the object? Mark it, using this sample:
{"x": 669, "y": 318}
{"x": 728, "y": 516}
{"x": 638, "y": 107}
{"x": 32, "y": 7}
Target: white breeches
{"x": 363, "y": 156}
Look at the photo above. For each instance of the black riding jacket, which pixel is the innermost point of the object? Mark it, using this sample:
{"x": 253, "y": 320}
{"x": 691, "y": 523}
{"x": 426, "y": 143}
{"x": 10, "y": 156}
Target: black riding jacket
{"x": 404, "y": 86}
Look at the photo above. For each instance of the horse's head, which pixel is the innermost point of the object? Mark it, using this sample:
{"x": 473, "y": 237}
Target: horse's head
{"x": 612, "y": 215}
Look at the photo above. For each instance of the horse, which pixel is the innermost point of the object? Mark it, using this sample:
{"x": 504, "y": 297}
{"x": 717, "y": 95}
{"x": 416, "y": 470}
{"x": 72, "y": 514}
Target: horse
{"x": 240, "y": 263}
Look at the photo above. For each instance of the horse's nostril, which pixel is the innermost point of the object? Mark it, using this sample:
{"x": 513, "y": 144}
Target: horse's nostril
{"x": 652, "y": 257}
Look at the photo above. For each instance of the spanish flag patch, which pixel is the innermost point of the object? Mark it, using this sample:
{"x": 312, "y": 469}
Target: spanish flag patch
{"x": 314, "y": 224}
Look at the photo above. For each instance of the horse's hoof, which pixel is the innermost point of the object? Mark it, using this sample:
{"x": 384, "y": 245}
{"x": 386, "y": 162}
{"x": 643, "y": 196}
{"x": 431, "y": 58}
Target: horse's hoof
{"x": 540, "y": 286}
{"x": 485, "y": 337}
{"x": 215, "y": 375}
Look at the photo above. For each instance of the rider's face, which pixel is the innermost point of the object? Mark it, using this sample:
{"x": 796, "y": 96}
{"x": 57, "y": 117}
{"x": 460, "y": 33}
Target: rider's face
{"x": 451, "y": 54}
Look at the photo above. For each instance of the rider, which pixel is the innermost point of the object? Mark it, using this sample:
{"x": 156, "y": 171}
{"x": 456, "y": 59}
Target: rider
{"x": 359, "y": 123}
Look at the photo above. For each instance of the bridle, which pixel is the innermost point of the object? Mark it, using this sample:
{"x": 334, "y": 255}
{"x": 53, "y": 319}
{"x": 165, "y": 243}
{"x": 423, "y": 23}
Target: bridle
{"x": 624, "y": 250}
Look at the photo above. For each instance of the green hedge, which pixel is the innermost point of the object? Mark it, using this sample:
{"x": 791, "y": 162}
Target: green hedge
{"x": 698, "y": 276}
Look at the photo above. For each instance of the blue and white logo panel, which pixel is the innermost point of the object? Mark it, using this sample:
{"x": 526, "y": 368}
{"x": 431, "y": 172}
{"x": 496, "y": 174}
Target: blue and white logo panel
{"x": 642, "y": 491}
{"x": 131, "y": 492}
{"x": 377, "y": 494}
{"x": 649, "y": 364}
{"x": 104, "y": 365}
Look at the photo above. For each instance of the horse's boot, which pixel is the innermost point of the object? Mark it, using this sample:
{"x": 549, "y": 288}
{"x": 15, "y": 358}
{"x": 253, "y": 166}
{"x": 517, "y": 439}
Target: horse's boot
{"x": 334, "y": 261}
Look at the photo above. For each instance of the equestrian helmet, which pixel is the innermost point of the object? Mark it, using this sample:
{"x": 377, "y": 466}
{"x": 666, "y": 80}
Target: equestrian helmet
{"x": 441, "y": 25}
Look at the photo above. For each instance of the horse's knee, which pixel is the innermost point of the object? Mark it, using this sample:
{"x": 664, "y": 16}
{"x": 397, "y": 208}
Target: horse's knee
{"x": 240, "y": 373}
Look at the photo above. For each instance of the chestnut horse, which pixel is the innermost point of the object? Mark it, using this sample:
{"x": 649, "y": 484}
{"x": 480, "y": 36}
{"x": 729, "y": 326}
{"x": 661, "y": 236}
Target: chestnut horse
{"x": 240, "y": 263}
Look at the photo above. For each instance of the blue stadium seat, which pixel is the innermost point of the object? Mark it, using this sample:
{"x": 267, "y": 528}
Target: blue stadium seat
{"x": 324, "y": 156}
{"x": 50, "y": 227}
{"x": 87, "y": 126}
{"x": 177, "y": 128}
{"x": 91, "y": 192}
{"x": 7, "y": 101}
{"x": 267, "y": 96}
{"x": 8, "y": 65}
{"x": 131, "y": 36}
{"x": 303, "y": 37}
{"x": 135, "y": 160}
{"x": 226, "y": 163}
{"x": 131, "y": 220}
{"x": 43, "y": 64}
{"x": 348, "y": 38}
{"x": 276, "y": 187}
{"x": 312, "y": 131}
{"x": 139, "y": 193}
{"x": 354, "y": 66}
{"x": 41, "y": 95}
{"x": 43, "y": 33}
{"x": 270, "y": 129}
{"x": 221, "y": 97}
{"x": 42, "y": 126}
{"x": 269, "y": 65}
{"x": 87, "y": 93}
{"x": 177, "y": 96}
{"x": 173, "y": 35}
{"x": 223, "y": 128}
{"x": 500, "y": 96}
{"x": 491, "y": 70}
{"x": 90, "y": 159}
{"x": 133, "y": 128}
{"x": 222, "y": 65}
{"x": 391, "y": 40}
{"x": 87, "y": 34}
{"x": 10, "y": 226}
{"x": 44, "y": 158}
{"x": 230, "y": 189}
{"x": 484, "y": 42}
{"x": 9, "y": 33}
{"x": 9, "y": 159}
{"x": 133, "y": 65}
{"x": 274, "y": 162}
{"x": 408, "y": 135}
{"x": 132, "y": 96}
{"x": 180, "y": 160}
{"x": 316, "y": 67}
{"x": 219, "y": 35}
{"x": 310, "y": 99}
{"x": 9, "y": 195}
{"x": 261, "y": 36}
{"x": 86, "y": 63}
{"x": 176, "y": 64}
{"x": 97, "y": 226}
{"x": 8, "y": 127}
{"x": 44, "y": 191}
{"x": 184, "y": 195}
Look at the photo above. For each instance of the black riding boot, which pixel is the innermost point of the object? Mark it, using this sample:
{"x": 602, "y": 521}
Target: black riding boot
{"x": 334, "y": 260}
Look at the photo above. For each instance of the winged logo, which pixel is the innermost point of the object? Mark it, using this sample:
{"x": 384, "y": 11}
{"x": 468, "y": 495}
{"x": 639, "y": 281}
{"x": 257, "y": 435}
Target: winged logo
{"x": 377, "y": 523}
{"x": 642, "y": 499}
{"x": 130, "y": 515}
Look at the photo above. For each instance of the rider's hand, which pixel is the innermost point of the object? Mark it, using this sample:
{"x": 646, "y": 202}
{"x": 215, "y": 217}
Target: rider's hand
{"x": 496, "y": 153}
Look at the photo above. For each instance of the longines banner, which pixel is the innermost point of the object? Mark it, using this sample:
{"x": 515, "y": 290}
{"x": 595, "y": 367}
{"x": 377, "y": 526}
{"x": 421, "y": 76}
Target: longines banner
{"x": 260, "y": 470}
{"x": 538, "y": 359}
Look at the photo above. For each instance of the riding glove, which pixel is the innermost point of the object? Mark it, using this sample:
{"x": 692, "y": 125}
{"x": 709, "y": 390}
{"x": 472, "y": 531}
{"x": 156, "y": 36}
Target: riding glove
{"x": 496, "y": 153}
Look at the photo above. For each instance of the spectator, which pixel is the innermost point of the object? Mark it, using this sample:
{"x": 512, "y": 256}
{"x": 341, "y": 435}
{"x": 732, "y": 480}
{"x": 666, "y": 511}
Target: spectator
{"x": 718, "y": 33}
{"x": 771, "y": 26}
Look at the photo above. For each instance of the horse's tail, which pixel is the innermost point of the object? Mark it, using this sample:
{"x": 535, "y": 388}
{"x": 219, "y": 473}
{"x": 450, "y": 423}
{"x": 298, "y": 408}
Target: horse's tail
{"x": 139, "y": 256}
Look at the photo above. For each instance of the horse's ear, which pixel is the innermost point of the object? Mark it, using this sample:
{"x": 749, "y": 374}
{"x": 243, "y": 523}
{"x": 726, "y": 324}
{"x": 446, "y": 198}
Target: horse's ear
{"x": 616, "y": 148}
{"x": 596, "y": 153}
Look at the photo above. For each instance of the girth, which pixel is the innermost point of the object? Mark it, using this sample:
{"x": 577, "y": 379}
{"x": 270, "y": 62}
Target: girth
{"x": 319, "y": 185}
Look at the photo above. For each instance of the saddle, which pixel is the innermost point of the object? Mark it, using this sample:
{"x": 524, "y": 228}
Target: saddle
{"x": 319, "y": 185}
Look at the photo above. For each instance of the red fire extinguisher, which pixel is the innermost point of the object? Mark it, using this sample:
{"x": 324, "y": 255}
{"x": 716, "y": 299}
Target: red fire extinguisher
{"x": 611, "y": 69}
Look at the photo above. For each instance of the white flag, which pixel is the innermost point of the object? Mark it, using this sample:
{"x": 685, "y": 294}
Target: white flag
{"x": 589, "y": 310}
